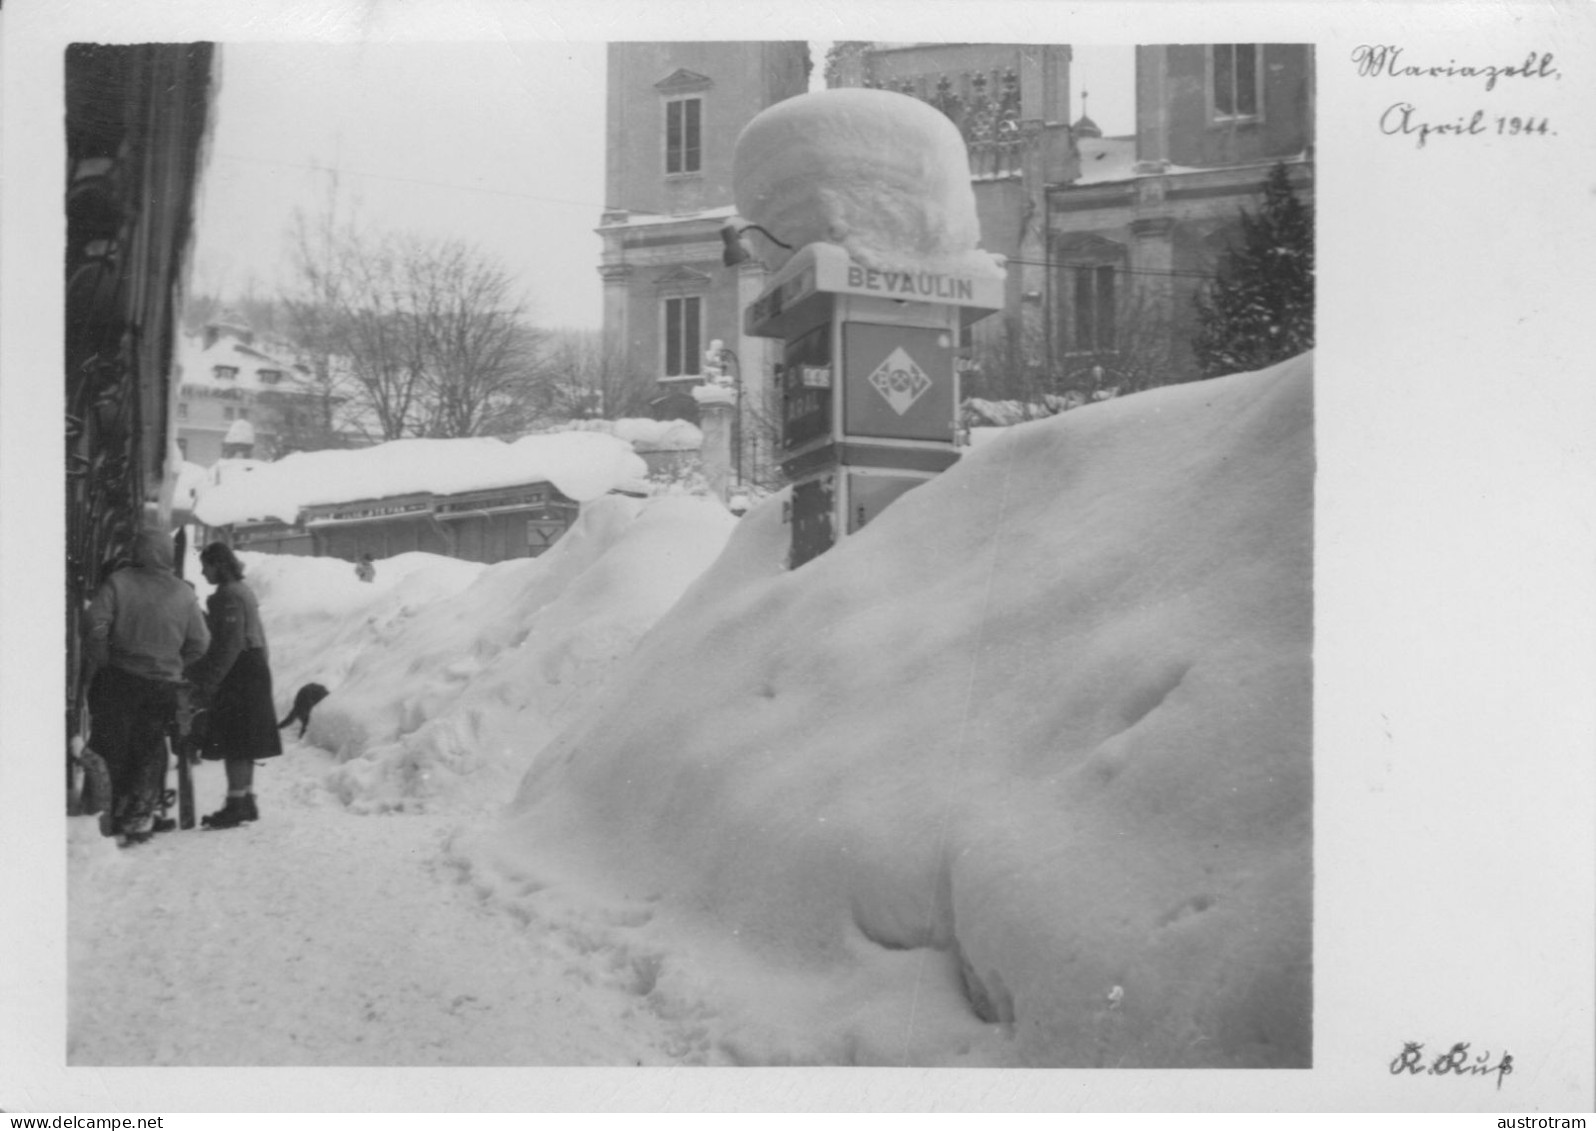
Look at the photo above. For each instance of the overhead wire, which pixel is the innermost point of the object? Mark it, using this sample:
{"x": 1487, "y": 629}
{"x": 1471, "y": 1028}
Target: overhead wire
{"x": 410, "y": 180}
{"x": 606, "y": 207}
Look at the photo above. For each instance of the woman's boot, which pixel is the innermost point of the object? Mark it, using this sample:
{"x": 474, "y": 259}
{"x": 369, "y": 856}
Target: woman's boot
{"x": 234, "y": 813}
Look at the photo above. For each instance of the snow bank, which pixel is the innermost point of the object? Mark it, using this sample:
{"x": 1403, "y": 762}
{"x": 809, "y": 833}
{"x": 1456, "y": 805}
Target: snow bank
{"x": 882, "y": 174}
{"x": 190, "y": 480}
{"x": 447, "y": 676}
{"x": 583, "y": 465}
{"x": 1018, "y": 775}
{"x": 320, "y": 618}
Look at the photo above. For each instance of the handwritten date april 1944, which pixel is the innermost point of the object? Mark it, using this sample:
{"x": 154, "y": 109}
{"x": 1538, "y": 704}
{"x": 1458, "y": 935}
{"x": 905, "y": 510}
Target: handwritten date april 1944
{"x": 1405, "y": 119}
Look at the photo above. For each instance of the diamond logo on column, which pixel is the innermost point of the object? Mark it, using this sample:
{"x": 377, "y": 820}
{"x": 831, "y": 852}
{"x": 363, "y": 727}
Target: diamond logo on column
{"x": 899, "y": 380}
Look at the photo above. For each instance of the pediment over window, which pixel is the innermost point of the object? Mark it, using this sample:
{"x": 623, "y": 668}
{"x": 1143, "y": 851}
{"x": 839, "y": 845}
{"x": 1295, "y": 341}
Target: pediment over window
{"x": 682, "y": 277}
{"x": 1085, "y": 247}
{"x": 683, "y": 81}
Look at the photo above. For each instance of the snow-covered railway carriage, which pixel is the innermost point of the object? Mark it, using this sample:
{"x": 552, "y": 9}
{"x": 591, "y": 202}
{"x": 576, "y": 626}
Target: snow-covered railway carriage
{"x": 476, "y": 526}
{"x": 136, "y": 120}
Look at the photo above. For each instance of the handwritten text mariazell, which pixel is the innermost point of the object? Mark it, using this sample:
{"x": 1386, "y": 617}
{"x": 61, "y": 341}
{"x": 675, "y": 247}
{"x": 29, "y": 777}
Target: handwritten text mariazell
{"x": 1379, "y": 60}
{"x": 1406, "y": 119}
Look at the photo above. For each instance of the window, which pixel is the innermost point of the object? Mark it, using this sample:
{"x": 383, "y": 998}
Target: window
{"x": 1236, "y": 73}
{"x": 682, "y": 152}
{"x": 226, "y": 372}
{"x": 182, "y": 446}
{"x": 269, "y": 376}
{"x": 182, "y": 410}
{"x": 1094, "y": 310}
{"x": 682, "y": 352}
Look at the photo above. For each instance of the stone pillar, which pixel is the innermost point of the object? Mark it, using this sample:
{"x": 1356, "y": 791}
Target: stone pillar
{"x": 716, "y": 407}
{"x": 617, "y": 280}
{"x": 755, "y": 358}
{"x": 1153, "y": 252}
{"x": 616, "y": 273}
{"x": 239, "y": 443}
{"x": 1152, "y": 109}
{"x": 1045, "y": 82}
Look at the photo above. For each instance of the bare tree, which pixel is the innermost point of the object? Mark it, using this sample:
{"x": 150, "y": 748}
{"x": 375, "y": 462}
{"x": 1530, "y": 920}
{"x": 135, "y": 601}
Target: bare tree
{"x": 586, "y": 377}
{"x": 347, "y": 306}
{"x": 478, "y": 351}
{"x": 1141, "y": 355}
{"x": 1009, "y": 367}
{"x": 427, "y": 335}
{"x": 1020, "y": 378}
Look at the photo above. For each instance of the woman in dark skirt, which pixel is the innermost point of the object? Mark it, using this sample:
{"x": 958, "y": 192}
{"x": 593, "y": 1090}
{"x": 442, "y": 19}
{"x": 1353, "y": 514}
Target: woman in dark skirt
{"x": 234, "y": 680}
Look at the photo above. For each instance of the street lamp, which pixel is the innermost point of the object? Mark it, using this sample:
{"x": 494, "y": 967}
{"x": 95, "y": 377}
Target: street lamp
{"x": 734, "y": 251}
{"x": 717, "y": 357}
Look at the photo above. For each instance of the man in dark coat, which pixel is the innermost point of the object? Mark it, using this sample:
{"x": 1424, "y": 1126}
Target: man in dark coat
{"x": 144, "y": 626}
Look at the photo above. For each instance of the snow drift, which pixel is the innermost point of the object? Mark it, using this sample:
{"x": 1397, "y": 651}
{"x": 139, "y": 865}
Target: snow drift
{"x": 882, "y": 174}
{"x": 447, "y": 676}
{"x": 1018, "y": 775}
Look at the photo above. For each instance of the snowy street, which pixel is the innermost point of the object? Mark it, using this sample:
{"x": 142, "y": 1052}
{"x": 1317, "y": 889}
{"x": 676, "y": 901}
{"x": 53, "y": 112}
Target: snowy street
{"x": 340, "y": 929}
{"x": 318, "y": 936}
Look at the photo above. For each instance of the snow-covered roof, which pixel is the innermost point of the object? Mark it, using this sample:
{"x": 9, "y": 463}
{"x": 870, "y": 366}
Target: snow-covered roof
{"x": 252, "y": 364}
{"x": 582, "y": 465}
{"x": 645, "y": 434}
{"x": 638, "y": 219}
{"x": 1106, "y": 159}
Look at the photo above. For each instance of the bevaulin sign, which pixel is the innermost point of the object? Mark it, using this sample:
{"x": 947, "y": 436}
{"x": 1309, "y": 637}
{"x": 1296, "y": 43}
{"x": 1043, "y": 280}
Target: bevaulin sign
{"x": 835, "y": 272}
{"x": 827, "y": 267}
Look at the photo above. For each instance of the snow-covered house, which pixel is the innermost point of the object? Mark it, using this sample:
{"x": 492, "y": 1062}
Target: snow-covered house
{"x": 232, "y": 385}
{"x": 478, "y": 499}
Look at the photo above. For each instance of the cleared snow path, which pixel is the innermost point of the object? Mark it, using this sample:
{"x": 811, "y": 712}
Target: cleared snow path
{"x": 320, "y": 937}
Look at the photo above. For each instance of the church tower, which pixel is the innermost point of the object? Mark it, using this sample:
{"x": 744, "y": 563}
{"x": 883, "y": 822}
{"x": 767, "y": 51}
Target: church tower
{"x": 675, "y": 110}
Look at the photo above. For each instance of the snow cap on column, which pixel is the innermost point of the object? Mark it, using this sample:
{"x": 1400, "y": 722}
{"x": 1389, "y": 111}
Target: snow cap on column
{"x": 882, "y": 174}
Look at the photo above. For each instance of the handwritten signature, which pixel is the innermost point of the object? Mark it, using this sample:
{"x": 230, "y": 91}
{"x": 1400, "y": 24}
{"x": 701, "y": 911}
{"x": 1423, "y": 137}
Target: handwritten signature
{"x": 1456, "y": 1061}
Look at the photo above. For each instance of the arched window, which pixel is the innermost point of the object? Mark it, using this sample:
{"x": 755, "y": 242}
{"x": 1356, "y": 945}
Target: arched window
{"x": 1091, "y": 293}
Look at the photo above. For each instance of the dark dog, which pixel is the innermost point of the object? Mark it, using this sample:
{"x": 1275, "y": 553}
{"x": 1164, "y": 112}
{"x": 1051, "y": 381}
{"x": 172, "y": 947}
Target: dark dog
{"x": 305, "y": 701}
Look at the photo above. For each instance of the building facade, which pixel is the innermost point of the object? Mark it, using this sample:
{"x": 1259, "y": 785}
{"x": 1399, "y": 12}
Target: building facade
{"x": 674, "y": 113}
{"x": 1142, "y": 229}
{"x": 237, "y": 398}
{"x": 1107, "y": 239}
{"x": 1011, "y": 104}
